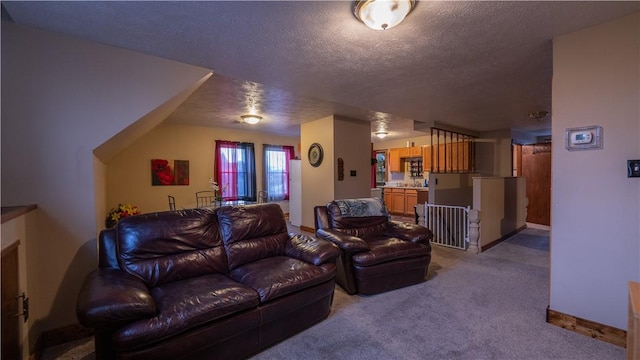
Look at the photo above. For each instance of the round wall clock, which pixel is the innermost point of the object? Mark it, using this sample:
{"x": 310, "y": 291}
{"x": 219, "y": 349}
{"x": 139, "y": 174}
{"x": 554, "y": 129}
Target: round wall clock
{"x": 315, "y": 154}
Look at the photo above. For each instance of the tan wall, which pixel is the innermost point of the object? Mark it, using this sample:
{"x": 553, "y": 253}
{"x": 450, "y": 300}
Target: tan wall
{"x": 317, "y": 182}
{"x": 129, "y": 172}
{"x": 451, "y": 189}
{"x": 493, "y": 153}
{"x": 502, "y": 205}
{"x": 595, "y": 208}
{"x": 62, "y": 98}
{"x": 353, "y": 145}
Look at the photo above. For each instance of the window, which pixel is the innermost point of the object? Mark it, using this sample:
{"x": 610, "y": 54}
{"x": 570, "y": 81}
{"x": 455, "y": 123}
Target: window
{"x": 276, "y": 171}
{"x": 235, "y": 170}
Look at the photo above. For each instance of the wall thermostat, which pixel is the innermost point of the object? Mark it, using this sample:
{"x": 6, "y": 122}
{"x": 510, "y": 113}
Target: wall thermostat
{"x": 583, "y": 138}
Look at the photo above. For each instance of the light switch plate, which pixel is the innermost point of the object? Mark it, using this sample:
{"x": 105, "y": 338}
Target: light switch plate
{"x": 633, "y": 168}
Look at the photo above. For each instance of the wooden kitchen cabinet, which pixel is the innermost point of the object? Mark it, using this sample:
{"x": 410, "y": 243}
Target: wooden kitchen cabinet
{"x": 394, "y": 160}
{"x": 451, "y": 157}
{"x": 415, "y": 151}
{"x": 404, "y": 152}
{"x": 410, "y": 201}
{"x": 388, "y": 199}
{"x": 397, "y": 201}
{"x": 401, "y": 201}
{"x": 426, "y": 158}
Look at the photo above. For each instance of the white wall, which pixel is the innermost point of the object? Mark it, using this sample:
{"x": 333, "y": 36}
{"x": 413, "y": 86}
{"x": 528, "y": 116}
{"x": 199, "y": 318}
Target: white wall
{"x": 62, "y": 98}
{"x": 129, "y": 174}
{"x": 595, "y": 215}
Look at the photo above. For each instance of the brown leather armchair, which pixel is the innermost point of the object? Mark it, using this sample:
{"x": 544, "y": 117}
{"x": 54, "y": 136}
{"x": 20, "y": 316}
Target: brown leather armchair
{"x": 378, "y": 254}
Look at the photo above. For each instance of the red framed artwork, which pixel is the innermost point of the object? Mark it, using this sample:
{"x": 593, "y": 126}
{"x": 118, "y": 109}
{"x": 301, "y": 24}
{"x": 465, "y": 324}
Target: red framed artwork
{"x": 169, "y": 172}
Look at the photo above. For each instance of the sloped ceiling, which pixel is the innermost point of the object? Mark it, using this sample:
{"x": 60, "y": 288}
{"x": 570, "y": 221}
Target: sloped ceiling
{"x": 475, "y": 65}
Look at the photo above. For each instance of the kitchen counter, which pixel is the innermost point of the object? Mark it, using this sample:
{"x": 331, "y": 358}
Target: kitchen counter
{"x": 419, "y": 188}
{"x": 401, "y": 200}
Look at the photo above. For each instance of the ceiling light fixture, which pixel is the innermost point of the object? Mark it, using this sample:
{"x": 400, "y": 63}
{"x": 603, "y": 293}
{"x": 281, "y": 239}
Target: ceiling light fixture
{"x": 382, "y": 14}
{"x": 251, "y": 119}
{"x": 538, "y": 115}
{"x": 382, "y": 134}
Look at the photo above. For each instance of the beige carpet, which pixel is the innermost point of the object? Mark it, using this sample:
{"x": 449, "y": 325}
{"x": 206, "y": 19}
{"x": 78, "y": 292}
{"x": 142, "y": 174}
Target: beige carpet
{"x": 82, "y": 349}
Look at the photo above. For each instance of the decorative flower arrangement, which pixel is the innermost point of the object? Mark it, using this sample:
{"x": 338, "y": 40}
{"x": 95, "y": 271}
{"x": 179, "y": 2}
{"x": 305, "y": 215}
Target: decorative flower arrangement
{"x": 216, "y": 188}
{"x": 161, "y": 171}
{"x": 122, "y": 211}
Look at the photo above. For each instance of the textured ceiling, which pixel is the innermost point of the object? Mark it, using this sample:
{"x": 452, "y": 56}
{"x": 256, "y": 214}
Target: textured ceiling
{"x": 475, "y": 65}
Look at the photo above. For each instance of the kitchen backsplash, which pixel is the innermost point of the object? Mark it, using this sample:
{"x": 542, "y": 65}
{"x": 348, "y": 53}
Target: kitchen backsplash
{"x": 405, "y": 178}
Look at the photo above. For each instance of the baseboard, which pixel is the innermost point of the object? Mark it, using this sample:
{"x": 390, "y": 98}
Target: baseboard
{"x": 589, "y": 328}
{"x": 59, "y": 336}
{"x": 496, "y": 242}
{"x": 307, "y": 229}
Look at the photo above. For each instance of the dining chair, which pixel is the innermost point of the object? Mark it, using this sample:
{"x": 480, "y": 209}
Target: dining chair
{"x": 205, "y": 198}
{"x": 172, "y": 203}
{"x": 263, "y": 196}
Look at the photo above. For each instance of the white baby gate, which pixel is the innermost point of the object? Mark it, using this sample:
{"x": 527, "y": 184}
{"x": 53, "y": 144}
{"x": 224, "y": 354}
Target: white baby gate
{"x": 449, "y": 224}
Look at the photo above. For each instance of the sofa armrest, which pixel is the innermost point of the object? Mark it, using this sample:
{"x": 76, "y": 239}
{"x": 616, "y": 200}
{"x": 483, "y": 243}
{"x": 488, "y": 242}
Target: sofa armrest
{"x": 311, "y": 250}
{"x": 409, "y": 232}
{"x": 343, "y": 241}
{"x": 110, "y": 297}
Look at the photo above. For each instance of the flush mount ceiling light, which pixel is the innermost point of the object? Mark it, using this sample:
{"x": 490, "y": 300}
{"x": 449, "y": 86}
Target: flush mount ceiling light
{"x": 538, "y": 115}
{"x": 251, "y": 119}
{"x": 382, "y": 134}
{"x": 382, "y": 14}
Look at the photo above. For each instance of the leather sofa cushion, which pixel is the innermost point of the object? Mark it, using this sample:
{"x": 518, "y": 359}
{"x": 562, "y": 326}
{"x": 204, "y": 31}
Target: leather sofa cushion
{"x": 169, "y": 246}
{"x": 362, "y": 227}
{"x": 278, "y": 276}
{"x": 389, "y": 249}
{"x": 186, "y": 304}
{"x": 252, "y": 232}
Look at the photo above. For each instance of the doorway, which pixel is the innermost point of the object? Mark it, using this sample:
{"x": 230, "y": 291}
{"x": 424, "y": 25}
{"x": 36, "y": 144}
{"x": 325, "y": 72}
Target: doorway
{"x": 10, "y": 321}
{"x": 533, "y": 162}
{"x": 380, "y": 167}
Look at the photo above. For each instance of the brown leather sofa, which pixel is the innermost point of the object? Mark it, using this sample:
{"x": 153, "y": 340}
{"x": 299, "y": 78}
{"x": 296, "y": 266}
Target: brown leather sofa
{"x": 378, "y": 254}
{"x": 205, "y": 284}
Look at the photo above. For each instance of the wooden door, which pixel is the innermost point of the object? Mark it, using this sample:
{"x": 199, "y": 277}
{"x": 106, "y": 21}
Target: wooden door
{"x": 536, "y": 169}
{"x": 10, "y": 322}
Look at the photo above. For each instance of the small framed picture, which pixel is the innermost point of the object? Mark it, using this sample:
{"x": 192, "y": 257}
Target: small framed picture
{"x": 583, "y": 138}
